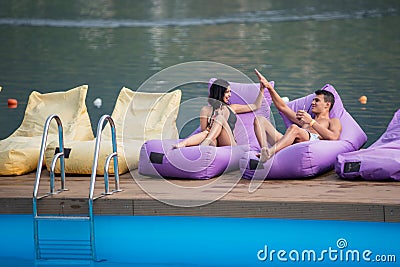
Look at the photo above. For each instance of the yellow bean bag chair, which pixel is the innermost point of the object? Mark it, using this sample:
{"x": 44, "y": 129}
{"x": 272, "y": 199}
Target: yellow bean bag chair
{"x": 19, "y": 153}
{"x": 138, "y": 117}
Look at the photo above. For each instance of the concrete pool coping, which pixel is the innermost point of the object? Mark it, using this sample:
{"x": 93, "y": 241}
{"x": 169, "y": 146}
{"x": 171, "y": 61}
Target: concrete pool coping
{"x": 326, "y": 197}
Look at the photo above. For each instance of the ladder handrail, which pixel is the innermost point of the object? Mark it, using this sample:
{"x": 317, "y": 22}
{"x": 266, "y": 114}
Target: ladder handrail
{"x": 60, "y": 155}
{"x": 41, "y": 157}
{"x": 113, "y": 155}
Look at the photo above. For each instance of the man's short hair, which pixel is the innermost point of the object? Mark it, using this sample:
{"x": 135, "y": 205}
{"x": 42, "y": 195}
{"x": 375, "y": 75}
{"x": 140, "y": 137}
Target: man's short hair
{"x": 328, "y": 97}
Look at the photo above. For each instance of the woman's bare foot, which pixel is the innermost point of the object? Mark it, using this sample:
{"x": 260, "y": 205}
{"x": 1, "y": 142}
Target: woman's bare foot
{"x": 178, "y": 145}
{"x": 207, "y": 142}
{"x": 265, "y": 154}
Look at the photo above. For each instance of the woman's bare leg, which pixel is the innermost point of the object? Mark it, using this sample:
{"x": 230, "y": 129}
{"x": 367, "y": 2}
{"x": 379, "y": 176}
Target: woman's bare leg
{"x": 192, "y": 140}
{"x": 226, "y": 137}
{"x": 220, "y": 133}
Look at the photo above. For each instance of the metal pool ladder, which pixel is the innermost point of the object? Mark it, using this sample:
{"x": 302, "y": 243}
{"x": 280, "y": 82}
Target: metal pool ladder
{"x": 51, "y": 241}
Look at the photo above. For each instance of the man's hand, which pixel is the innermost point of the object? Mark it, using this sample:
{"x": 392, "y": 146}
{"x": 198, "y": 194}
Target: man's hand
{"x": 303, "y": 117}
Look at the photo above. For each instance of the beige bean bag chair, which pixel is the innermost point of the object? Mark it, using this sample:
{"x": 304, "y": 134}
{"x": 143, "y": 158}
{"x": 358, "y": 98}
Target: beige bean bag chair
{"x": 19, "y": 153}
{"x": 138, "y": 117}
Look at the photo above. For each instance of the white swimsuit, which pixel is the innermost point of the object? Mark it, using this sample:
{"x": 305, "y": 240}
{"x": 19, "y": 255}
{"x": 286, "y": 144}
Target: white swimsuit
{"x": 313, "y": 136}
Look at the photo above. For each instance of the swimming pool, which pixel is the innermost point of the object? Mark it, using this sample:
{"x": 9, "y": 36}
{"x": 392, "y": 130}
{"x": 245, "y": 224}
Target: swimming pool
{"x": 204, "y": 241}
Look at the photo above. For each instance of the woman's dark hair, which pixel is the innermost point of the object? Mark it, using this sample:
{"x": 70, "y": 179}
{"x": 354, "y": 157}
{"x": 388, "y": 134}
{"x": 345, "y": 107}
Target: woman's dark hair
{"x": 217, "y": 91}
{"x": 328, "y": 97}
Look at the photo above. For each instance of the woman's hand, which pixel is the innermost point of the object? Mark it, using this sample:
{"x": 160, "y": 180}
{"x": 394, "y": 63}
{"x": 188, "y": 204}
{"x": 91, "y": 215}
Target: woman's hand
{"x": 263, "y": 81}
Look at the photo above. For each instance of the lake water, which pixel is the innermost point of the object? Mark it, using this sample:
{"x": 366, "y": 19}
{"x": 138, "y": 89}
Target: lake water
{"x": 54, "y": 45}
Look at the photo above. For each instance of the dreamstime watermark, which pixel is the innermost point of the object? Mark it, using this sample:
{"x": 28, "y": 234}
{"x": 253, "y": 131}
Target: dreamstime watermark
{"x": 168, "y": 80}
{"x": 340, "y": 253}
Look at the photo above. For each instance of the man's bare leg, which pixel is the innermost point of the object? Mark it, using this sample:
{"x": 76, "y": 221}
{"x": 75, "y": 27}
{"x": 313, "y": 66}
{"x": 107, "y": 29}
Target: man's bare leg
{"x": 294, "y": 134}
{"x": 259, "y": 130}
{"x": 266, "y": 153}
{"x": 265, "y": 132}
{"x": 266, "y": 135}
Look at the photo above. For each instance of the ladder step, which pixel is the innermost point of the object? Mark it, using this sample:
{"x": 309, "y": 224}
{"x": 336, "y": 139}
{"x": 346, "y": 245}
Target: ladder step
{"x": 65, "y": 249}
{"x": 64, "y": 243}
{"x": 63, "y": 262}
{"x": 65, "y": 255}
{"x": 61, "y": 218}
{"x": 46, "y": 256}
{"x": 56, "y": 243}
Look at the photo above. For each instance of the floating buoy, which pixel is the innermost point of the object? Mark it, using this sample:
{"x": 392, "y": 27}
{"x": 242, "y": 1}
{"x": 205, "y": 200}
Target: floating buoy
{"x": 97, "y": 102}
{"x": 12, "y": 103}
{"x": 1, "y": 88}
{"x": 363, "y": 99}
{"x": 285, "y": 99}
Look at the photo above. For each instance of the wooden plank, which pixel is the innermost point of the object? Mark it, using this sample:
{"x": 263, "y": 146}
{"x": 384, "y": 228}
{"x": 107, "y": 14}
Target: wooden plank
{"x": 323, "y": 198}
{"x": 62, "y": 206}
{"x": 108, "y": 206}
{"x": 250, "y": 209}
{"x": 12, "y": 205}
{"x": 392, "y": 213}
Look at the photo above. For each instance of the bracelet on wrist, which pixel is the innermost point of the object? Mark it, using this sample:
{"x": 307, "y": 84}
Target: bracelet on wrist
{"x": 312, "y": 123}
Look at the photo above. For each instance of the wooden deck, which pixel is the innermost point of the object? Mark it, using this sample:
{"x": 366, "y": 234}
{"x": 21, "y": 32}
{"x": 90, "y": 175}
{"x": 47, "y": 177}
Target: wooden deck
{"x": 322, "y": 198}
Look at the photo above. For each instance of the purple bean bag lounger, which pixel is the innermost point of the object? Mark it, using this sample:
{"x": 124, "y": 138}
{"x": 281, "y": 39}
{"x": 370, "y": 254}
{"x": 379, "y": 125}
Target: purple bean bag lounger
{"x": 157, "y": 158}
{"x": 307, "y": 159}
{"x": 380, "y": 161}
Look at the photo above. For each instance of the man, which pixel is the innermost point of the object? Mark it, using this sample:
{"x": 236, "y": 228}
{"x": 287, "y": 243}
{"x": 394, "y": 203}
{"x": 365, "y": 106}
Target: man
{"x": 304, "y": 127}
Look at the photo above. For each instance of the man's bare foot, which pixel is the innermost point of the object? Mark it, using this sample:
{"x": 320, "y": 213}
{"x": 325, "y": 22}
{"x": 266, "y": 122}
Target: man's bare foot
{"x": 265, "y": 154}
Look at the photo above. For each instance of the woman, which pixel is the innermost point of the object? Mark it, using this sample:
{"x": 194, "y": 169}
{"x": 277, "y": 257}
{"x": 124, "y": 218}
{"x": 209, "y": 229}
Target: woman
{"x": 217, "y": 121}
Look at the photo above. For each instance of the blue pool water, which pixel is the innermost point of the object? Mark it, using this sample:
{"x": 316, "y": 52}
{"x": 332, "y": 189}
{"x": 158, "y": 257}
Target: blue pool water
{"x": 201, "y": 241}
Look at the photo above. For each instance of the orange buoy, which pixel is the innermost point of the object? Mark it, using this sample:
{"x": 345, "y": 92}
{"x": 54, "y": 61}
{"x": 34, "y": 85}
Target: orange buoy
{"x": 363, "y": 99}
{"x": 12, "y": 103}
